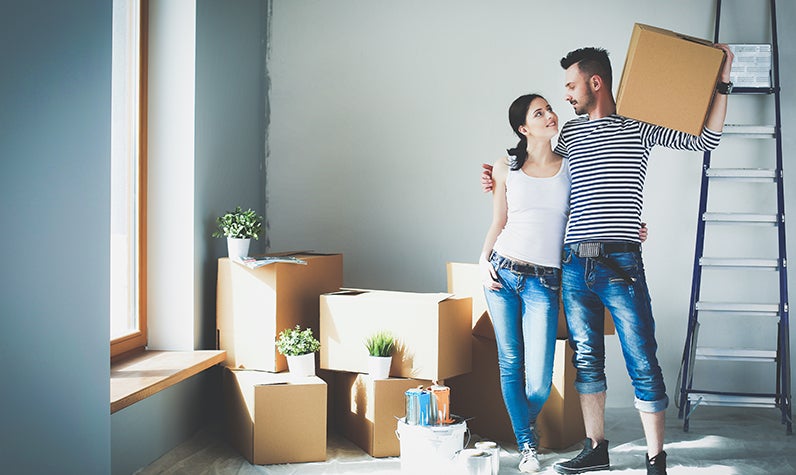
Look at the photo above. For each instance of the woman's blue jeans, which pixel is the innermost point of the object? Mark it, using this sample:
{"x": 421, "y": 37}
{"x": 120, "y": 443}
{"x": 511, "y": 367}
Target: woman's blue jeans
{"x": 591, "y": 286}
{"x": 525, "y": 316}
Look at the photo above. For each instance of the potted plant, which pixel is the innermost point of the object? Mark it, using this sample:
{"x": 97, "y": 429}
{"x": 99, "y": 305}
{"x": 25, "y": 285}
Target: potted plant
{"x": 299, "y": 347}
{"x": 380, "y": 346}
{"x": 239, "y": 227}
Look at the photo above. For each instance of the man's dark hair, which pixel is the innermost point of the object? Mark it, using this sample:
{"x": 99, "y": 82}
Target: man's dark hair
{"x": 591, "y": 61}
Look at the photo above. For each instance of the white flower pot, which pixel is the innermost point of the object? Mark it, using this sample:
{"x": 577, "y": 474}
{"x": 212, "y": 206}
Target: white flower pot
{"x": 237, "y": 247}
{"x": 379, "y": 366}
{"x": 302, "y": 365}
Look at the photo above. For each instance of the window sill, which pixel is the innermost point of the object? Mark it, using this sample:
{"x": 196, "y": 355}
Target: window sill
{"x": 144, "y": 374}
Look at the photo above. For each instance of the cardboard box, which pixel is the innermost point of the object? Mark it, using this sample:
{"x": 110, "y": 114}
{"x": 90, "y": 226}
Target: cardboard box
{"x": 668, "y": 79}
{"x": 432, "y": 331}
{"x": 465, "y": 279}
{"x": 275, "y": 419}
{"x": 367, "y": 410}
{"x": 254, "y": 305}
{"x": 477, "y": 395}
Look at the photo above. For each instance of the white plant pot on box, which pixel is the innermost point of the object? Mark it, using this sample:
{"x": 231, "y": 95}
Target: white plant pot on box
{"x": 301, "y": 365}
{"x": 238, "y": 247}
{"x": 379, "y": 366}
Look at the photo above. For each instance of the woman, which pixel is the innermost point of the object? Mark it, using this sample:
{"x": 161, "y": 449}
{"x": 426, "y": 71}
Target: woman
{"x": 521, "y": 261}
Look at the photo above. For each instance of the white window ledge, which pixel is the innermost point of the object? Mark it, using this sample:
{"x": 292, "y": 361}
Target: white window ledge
{"x": 147, "y": 373}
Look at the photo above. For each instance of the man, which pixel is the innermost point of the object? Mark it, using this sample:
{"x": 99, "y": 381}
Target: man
{"x": 602, "y": 265}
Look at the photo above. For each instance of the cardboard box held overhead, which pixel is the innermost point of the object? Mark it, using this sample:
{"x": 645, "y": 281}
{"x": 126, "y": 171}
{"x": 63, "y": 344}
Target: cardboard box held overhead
{"x": 432, "y": 331}
{"x": 254, "y": 305}
{"x": 367, "y": 410}
{"x": 272, "y": 418}
{"x": 669, "y": 79}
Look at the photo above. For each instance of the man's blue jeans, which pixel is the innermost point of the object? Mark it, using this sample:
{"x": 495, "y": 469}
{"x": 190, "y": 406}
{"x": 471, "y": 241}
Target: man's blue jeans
{"x": 589, "y": 286}
{"x": 525, "y": 315}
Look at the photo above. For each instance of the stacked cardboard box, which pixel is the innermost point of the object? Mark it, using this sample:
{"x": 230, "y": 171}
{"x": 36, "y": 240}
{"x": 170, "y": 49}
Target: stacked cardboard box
{"x": 432, "y": 333}
{"x": 274, "y": 418}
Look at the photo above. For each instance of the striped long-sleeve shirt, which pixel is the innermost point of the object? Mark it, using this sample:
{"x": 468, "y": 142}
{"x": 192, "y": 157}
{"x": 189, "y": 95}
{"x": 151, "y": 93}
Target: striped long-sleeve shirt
{"x": 608, "y": 165}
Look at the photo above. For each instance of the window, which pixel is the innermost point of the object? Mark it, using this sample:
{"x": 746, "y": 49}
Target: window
{"x": 128, "y": 178}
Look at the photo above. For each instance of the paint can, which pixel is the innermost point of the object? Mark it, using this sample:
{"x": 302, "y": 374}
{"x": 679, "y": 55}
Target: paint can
{"x": 474, "y": 462}
{"x": 419, "y": 410}
{"x": 441, "y": 400}
{"x": 494, "y": 450}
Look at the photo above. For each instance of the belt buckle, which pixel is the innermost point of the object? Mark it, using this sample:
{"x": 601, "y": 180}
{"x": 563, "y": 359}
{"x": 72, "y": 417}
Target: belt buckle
{"x": 589, "y": 249}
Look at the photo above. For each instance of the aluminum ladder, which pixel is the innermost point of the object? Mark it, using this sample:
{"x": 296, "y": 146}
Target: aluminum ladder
{"x": 690, "y": 395}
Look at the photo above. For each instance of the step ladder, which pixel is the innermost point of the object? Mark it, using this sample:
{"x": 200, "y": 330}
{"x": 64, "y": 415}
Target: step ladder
{"x": 755, "y": 314}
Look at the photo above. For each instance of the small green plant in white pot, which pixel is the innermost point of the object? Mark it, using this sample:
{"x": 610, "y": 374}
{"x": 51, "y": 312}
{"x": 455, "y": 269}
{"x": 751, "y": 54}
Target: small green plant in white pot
{"x": 380, "y": 346}
{"x": 239, "y": 227}
{"x": 299, "y": 347}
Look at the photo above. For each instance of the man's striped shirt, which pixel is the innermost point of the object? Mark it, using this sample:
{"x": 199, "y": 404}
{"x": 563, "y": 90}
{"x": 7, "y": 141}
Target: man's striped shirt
{"x": 608, "y": 165}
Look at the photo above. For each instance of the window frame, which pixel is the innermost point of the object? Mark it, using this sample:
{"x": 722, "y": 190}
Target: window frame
{"x": 136, "y": 341}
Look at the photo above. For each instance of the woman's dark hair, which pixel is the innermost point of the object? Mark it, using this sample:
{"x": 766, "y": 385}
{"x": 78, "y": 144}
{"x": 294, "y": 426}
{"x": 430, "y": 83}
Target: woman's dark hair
{"x": 518, "y": 112}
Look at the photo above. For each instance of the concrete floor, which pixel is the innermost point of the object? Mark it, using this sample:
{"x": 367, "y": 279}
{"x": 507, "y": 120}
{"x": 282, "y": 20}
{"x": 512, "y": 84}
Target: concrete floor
{"x": 721, "y": 441}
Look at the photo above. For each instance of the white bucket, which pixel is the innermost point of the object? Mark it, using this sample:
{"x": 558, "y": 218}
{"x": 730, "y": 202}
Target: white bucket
{"x": 425, "y": 449}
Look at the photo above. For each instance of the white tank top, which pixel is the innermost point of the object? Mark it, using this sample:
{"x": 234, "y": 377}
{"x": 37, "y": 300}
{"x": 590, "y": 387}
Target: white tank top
{"x": 537, "y": 217}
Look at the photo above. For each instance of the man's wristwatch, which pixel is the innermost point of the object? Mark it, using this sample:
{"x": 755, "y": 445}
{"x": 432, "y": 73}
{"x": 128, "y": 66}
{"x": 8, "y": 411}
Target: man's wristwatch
{"x": 724, "y": 87}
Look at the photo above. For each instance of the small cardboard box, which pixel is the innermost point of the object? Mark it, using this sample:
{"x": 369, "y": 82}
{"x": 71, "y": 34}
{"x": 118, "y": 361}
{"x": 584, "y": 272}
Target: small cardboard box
{"x": 273, "y": 418}
{"x": 254, "y": 305}
{"x": 668, "y": 79}
{"x": 465, "y": 279}
{"x": 432, "y": 331}
{"x": 367, "y": 410}
{"x": 477, "y": 395}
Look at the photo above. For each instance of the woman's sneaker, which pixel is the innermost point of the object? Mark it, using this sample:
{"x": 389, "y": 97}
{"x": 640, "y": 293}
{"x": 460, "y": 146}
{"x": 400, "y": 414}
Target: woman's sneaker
{"x": 588, "y": 460}
{"x": 529, "y": 461}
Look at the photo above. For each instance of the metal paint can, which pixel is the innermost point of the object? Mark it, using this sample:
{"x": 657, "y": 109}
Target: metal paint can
{"x": 425, "y": 414}
{"x": 441, "y": 401}
{"x": 494, "y": 450}
{"x": 412, "y": 396}
{"x": 474, "y": 462}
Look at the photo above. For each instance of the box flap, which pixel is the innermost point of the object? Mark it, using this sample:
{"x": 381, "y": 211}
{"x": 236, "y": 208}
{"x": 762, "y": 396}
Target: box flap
{"x": 413, "y": 297}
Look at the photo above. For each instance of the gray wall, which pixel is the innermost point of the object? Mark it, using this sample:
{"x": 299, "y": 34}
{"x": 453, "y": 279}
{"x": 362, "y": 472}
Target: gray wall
{"x": 55, "y": 90}
{"x": 381, "y": 113}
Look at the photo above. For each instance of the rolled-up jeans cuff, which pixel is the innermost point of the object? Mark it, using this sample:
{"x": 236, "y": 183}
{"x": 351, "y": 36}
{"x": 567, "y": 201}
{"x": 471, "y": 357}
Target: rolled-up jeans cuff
{"x": 591, "y": 387}
{"x": 652, "y": 406}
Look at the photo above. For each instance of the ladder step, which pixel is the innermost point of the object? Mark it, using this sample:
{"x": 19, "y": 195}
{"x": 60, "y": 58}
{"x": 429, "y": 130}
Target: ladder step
{"x": 743, "y": 174}
{"x": 753, "y": 90}
{"x": 740, "y": 218}
{"x": 734, "y": 354}
{"x": 709, "y": 399}
{"x": 750, "y": 131}
{"x": 739, "y": 263}
{"x": 761, "y": 309}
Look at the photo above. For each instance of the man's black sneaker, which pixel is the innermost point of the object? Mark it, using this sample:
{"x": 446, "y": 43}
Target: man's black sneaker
{"x": 657, "y": 464}
{"x": 588, "y": 460}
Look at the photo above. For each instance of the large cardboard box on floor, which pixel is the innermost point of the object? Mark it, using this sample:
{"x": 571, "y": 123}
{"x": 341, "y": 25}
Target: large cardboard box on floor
{"x": 367, "y": 410}
{"x": 477, "y": 395}
{"x": 432, "y": 331}
{"x": 254, "y": 305}
{"x": 465, "y": 279}
{"x": 668, "y": 79}
{"x": 273, "y": 418}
